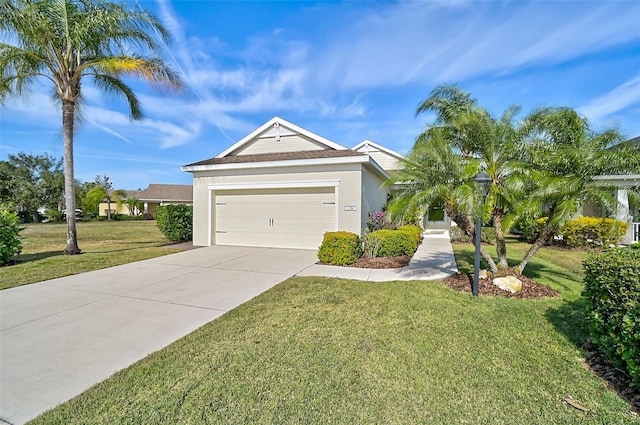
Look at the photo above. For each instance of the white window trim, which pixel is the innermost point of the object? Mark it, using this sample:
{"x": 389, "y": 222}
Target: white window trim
{"x": 215, "y": 187}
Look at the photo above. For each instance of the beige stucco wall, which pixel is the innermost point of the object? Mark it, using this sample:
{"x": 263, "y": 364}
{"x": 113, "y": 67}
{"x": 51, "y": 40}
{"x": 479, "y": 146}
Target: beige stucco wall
{"x": 374, "y": 196}
{"x": 115, "y": 209}
{"x": 349, "y": 191}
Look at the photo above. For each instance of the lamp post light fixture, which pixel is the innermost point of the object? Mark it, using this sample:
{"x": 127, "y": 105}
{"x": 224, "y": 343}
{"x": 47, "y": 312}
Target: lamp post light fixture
{"x": 482, "y": 179}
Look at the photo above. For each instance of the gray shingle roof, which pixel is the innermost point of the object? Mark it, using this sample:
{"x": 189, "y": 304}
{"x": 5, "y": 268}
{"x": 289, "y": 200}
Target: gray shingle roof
{"x": 281, "y": 156}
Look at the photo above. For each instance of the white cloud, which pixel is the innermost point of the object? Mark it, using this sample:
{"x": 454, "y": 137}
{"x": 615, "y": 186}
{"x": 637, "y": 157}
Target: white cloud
{"x": 620, "y": 98}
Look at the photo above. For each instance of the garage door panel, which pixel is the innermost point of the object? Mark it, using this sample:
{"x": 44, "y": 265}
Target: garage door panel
{"x": 293, "y": 218}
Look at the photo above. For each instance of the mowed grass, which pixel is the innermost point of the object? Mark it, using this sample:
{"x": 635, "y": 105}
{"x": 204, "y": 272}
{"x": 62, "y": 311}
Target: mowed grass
{"x": 104, "y": 244}
{"x": 333, "y": 351}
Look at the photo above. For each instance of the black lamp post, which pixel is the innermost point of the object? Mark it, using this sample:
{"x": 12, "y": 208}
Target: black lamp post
{"x": 482, "y": 179}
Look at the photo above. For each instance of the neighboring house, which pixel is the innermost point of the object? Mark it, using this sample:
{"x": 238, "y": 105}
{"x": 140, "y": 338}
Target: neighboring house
{"x": 624, "y": 211}
{"x": 152, "y": 197}
{"x": 284, "y": 186}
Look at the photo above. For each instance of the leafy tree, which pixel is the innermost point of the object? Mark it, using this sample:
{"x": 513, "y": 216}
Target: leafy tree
{"x": 64, "y": 41}
{"x": 32, "y": 181}
{"x": 103, "y": 191}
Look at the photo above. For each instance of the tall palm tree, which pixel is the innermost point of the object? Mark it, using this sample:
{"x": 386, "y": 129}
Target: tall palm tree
{"x": 64, "y": 41}
{"x": 435, "y": 172}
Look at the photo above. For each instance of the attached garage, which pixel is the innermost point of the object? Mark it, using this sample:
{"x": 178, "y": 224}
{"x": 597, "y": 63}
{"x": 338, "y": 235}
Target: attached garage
{"x": 280, "y": 218}
{"x": 283, "y": 186}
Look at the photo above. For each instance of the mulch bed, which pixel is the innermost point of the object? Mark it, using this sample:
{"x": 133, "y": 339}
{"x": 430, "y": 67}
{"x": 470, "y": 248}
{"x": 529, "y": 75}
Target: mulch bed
{"x": 530, "y": 288}
{"x": 378, "y": 262}
{"x": 616, "y": 379}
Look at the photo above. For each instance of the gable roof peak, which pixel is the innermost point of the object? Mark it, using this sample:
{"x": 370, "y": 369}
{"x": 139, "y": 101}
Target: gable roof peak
{"x": 276, "y": 121}
{"x": 366, "y": 144}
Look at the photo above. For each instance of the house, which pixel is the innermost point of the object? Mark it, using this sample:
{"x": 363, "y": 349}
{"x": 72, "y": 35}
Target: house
{"x": 625, "y": 211}
{"x": 284, "y": 186}
{"x": 152, "y": 197}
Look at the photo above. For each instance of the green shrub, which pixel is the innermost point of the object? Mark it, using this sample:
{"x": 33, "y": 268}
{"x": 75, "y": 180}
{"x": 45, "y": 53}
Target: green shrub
{"x": 416, "y": 230}
{"x": 10, "y": 243}
{"x": 340, "y": 248}
{"x": 592, "y": 231}
{"x": 54, "y": 215}
{"x": 488, "y": 235}
{"x": 175, "y": 222}
{"x": 612, "y": 289}
{"x": 393, "y": 243}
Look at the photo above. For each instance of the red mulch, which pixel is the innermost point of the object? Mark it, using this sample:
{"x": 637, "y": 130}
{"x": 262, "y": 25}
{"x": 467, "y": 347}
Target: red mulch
{"x": 530, "y": 288}
{"x": 379, "y": 262}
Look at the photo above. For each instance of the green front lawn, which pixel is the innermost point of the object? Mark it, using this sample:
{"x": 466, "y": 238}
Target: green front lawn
{"x": 104, "y": 244}
{"x": 322, "y": 350}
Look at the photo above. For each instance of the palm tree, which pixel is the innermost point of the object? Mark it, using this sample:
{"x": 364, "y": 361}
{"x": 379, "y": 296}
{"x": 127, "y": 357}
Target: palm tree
{"x": 474, "y": 140}
{"x": 434, "y": 171}
{"x": 64, "y": 41}
{"x": 134, "y": 205}
{"x": 566, "y": 156}
{"x": 101, "y": 193}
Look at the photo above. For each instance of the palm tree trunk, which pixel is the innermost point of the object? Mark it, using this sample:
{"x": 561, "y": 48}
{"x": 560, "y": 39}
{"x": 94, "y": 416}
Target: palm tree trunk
{"x": 546, "y": 234}
{"x": 68, "y": 117}
{"x": 501, "y": 244}
{"x": 469, "y": 229}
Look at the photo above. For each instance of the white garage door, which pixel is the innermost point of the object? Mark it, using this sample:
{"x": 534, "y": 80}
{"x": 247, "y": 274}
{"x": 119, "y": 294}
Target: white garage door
{"x": 281, "y": 218}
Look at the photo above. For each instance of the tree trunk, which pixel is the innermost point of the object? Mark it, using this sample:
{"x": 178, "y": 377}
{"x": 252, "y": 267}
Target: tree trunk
{"x": 501, "y": 244}
{"x": 108, "y": 206}
{"x": 469, "y": 229}
{"x": 68, "y": 116}
{"x": 546, "y": 233}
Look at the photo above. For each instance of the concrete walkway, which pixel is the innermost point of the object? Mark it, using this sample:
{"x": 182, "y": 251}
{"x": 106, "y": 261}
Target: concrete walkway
{"x": 433, "y": 260}
{"x": 59, "y": 337}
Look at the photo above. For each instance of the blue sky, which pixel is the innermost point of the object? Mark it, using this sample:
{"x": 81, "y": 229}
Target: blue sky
{"x": 347, "y": 71}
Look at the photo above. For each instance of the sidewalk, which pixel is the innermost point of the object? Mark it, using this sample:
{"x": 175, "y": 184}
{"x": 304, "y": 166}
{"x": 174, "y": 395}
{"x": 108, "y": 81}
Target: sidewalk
{"x": 433, "y": 260}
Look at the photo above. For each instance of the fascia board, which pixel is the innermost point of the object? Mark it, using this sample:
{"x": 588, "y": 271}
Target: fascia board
{"x": 273, "y": 164}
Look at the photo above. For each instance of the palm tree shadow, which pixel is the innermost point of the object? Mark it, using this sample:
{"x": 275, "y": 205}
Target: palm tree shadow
{"x": 27, "y": 258}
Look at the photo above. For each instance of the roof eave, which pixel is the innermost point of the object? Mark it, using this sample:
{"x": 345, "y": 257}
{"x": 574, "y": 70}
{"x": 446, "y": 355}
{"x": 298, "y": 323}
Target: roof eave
{"x": 272, "y": 164}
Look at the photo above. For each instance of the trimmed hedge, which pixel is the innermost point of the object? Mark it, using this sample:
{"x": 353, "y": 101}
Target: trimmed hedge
{"x": 393, "y": 243}
{"x": 10, "y": 243}
{"x": 612, "y": 289}
{"x": 175, "y": 222}
{"x": 340, "y": 248}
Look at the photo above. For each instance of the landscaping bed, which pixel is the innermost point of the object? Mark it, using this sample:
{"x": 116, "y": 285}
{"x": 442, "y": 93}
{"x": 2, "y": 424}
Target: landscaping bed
{"x": 530, "y": 288}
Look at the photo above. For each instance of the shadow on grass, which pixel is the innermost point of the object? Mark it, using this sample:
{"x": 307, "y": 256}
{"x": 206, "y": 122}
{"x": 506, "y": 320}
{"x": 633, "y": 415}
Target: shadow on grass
{"x": 27, "y": 258}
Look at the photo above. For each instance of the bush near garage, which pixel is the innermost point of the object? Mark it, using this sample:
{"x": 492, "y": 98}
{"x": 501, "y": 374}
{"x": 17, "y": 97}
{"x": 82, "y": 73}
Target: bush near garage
{"x": 612, "y": 290}
{"x": 10, "y": 242}
{"x": 340, "y": 248}
{"x": 175, "y": 222}
{"x": 393, "y": 243}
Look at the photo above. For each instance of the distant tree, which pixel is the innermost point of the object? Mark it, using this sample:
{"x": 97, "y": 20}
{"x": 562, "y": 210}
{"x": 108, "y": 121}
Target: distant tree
{"x": 64, "y": 41}
{"x": 103, "y": 191}
{"x": 133, "y": 205}
{"x": 31, "y": 181}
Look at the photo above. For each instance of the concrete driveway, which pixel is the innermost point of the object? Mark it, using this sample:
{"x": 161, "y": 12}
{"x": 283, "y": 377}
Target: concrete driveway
{"x": 59, "y": 337}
